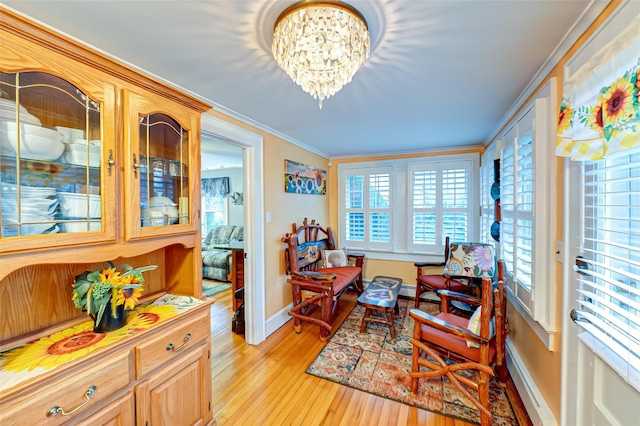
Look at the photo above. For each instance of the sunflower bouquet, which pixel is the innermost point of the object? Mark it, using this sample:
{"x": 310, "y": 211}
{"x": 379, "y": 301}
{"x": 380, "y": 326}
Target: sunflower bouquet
{"x": 94, "y": 290}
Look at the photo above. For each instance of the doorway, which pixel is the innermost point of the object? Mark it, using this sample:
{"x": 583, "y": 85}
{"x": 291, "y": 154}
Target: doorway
{"x": 253, "y": 213}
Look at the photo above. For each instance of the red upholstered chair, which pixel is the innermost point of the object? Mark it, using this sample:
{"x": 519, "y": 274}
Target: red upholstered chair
{"x": 466, "y": 264}
{"x": 447, "y": 336}
{"x": 318, "y": 280}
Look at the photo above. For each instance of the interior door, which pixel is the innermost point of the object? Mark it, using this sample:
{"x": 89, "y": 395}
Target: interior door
{"x": 593, "y": 392}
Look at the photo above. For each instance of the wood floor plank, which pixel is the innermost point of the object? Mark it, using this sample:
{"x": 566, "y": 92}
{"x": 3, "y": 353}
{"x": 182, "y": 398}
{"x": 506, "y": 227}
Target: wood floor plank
{"x": 267, "y": 384}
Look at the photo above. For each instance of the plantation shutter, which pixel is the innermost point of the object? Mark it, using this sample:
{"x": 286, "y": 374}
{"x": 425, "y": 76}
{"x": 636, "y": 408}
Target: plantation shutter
{"x": 609, "y": 268}
{"x": 379, "y": 207}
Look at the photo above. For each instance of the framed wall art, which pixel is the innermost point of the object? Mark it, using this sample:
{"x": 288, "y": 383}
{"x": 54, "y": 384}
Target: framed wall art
{"x": 303, "y": 179}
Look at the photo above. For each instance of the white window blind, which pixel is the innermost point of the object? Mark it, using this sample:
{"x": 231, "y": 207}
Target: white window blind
{"x": 609, "y": 278}
{"x": 441, "y": 204}
{"x": 379, "y": 211}
{"x": 367, "y": 210}
{"x": 487, "y": 204}
{"x": 517, "y": 216}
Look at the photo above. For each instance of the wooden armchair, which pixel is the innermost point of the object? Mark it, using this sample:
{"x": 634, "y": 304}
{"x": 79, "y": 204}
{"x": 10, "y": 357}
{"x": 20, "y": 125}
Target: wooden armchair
{"x": 464, "y": 266}
{"x": 449, "y": 336}
{"x": 317, "y": 278}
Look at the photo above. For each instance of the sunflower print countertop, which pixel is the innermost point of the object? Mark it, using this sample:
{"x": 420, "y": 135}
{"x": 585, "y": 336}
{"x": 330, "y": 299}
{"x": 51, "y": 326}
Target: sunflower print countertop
{"x": 42, "y": 355}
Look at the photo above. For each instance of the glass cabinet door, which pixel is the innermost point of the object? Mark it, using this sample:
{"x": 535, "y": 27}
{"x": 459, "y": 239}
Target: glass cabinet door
{"x": 51, "y": 168}
{"x": 161, "y": 173}
{"x": 164, "y": 167}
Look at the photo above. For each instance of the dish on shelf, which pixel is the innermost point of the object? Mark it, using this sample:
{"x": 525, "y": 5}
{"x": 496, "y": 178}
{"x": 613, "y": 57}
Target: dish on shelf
{"x": 10, "y": 228}
{"x": 80, "y": 205}
{"x": 74, "y": 224}
{"x": 36, "y": 143}
{"x": 8, "y": 112}
{"x": 76, "y": 153}
{"x": 69, "y": 134}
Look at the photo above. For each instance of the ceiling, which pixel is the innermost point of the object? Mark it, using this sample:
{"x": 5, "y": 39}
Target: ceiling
{"x": 441, "y": 74}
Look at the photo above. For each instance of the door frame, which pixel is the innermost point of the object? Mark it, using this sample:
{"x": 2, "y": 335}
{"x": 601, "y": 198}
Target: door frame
{"x": 254, "y": 266}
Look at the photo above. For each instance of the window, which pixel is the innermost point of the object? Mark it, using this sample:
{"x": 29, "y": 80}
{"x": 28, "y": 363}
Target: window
{"x": 440, "y": 204}
{"x": 487, "y": 203}
{"x": 367, "y": 207}
{"x": 408, "y": 205}
{"x": 214, "y": 203}
{"x": 214, "y": 213}
{"x": 610, "y": 245}
{"x": 517, "y": 208}
{"x": 527, "y": 219}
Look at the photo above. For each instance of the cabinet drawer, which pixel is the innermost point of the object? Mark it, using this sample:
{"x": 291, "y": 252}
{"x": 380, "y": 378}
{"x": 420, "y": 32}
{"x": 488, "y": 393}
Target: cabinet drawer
{"x": 68, "y": 393}
{"x": 169, "y": 344}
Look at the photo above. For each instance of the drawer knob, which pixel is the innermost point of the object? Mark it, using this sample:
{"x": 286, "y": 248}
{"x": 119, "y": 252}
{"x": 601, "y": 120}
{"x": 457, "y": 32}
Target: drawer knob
{"x": 53, "y": 411}
{"x": 170, "y": 346}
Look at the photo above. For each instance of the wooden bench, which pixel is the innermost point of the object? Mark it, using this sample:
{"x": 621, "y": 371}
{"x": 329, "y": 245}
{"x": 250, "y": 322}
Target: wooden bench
{"x": 314, "y": 286}
{"x": 381, "y": 295}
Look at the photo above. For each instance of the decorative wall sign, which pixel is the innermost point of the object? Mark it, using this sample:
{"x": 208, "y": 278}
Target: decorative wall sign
{"x": 303, "y": 179}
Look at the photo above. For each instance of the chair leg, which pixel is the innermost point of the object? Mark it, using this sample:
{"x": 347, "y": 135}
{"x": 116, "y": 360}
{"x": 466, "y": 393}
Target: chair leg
{"x": 297, "y": 299}
{"x": 415, "y": 367}
{"x": 483, "y": 396}
{"x": 418, "y": 293}
{"x": 327, "y": 314}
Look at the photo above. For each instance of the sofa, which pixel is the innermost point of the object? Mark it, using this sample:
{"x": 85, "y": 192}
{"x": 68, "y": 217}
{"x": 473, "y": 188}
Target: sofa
{"x": 216, "y": 262}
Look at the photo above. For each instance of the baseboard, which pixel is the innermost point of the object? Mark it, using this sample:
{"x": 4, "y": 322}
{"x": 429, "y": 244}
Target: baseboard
{"x": 532, "y": 399}
{"x": 278, "y": 320}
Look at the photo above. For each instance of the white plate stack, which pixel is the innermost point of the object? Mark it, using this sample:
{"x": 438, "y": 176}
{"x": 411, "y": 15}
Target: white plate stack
{"x": 36, "y": 142}
{"x": 37, "y": 207}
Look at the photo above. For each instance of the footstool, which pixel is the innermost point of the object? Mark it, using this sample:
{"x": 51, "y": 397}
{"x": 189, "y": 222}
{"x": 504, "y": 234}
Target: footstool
{"x": 380, "y": 296}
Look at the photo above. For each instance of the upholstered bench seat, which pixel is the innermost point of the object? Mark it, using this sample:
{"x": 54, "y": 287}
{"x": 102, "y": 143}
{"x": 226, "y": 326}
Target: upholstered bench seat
{"x": 345, "y": 275}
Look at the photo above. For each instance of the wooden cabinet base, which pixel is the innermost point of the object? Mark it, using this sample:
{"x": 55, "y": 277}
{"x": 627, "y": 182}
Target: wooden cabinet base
{"x": 123, "y": 384}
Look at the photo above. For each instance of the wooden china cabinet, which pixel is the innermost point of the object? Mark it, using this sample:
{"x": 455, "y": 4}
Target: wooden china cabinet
{"x": 98, "y": 163}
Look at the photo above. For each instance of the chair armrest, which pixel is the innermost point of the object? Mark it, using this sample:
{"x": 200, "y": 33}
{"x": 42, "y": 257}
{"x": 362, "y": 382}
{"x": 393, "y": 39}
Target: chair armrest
{"x": 359, "y": 257}
{"x": 427, "y": 264}
{"x": 313, "y": 276}
{"x": 421, "y": 317}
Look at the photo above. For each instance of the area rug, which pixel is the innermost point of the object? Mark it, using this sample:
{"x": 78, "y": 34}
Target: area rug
{"x": 209, "y": 288}
{"x": 374, "y": 363}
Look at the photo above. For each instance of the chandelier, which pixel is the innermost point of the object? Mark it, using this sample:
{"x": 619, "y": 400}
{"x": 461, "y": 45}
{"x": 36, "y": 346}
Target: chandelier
{"x": 321, "y": 45}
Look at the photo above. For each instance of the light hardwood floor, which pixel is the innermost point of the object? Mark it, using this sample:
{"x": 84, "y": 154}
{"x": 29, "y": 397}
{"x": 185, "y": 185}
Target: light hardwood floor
{"x": 267, "y": 384}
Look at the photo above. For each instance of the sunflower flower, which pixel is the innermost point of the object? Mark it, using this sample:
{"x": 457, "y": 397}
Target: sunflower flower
{"x": 617, "y": 102}
{"x": 94, "y": 290}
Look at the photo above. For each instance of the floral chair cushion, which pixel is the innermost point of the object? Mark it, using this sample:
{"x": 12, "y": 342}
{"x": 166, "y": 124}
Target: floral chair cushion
{"x": 471, "y": 260}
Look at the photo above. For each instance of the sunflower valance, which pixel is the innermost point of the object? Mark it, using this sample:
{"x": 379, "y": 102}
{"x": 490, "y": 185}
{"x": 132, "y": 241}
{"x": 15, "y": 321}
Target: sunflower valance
{"x": 600, "y": 109}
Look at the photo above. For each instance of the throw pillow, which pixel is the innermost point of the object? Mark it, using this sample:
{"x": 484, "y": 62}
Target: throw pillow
{"x": 470, "y": 260}
{"x": 474, "y": 327}
{"x": 334, "y": 258}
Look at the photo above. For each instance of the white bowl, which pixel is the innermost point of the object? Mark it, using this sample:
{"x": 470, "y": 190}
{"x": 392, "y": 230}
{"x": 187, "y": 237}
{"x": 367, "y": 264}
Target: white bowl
{"x": 76, "y": 153}
{"x": 70, "y": 134}
{"x": 36, "y": 143}
{"x": 75, "y": 205}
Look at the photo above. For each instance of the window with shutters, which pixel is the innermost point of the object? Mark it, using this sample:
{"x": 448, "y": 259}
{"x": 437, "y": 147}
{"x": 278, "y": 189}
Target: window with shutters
{"x": 609, "y": 282}
{"x": 367, "y": 207}
{"x": 408, "y": 205}
{"x": 440, "y": 204}
{"x": 487, "y": 203}
{"x": 527, "y": 207}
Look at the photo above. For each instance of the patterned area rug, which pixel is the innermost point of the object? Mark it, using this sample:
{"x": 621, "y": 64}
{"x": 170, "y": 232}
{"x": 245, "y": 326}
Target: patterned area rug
{"x": 375, "y": 364}
{"x": 209, "y": 288}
